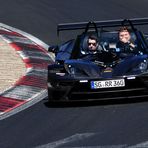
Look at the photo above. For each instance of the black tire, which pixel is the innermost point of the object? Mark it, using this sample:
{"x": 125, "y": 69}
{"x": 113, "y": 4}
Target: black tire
{"x": 55, "y": 95}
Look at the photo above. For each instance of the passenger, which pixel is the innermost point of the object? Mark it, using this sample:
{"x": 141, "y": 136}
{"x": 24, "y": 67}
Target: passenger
{"x": 125, "y": 43}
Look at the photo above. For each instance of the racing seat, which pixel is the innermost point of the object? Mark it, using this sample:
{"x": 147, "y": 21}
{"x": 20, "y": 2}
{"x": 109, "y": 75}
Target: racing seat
{"x": 133, "y": 37}
{"x": 84, "y": 45}
{"x": 109, "y": 40}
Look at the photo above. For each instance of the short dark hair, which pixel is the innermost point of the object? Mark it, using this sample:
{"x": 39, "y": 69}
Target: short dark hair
{"x": 124, "y": 28}
{"x": 93, "y": 37}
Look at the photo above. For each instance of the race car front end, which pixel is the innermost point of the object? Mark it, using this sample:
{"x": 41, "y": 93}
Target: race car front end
{"x": 111, "y": 72}
{"x": 117, "y": 88}
{"x": 70, "y": 87}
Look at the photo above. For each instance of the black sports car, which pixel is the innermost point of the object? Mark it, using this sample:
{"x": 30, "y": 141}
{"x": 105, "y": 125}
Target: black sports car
{"x": 112, "y": 73}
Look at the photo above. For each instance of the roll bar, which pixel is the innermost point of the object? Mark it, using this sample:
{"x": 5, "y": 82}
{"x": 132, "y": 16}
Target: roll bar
{"x": 101, "y": 24}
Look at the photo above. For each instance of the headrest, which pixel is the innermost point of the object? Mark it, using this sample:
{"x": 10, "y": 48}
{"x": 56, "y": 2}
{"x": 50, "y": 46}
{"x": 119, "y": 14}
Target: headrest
{"x": 133, "y": 36}
{"x": 109, "y": 36}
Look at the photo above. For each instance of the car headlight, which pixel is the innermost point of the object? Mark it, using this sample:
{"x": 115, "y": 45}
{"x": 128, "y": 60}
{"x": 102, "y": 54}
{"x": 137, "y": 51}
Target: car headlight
{"x": 141, "y": 67}
{"x": 69, "y": 68}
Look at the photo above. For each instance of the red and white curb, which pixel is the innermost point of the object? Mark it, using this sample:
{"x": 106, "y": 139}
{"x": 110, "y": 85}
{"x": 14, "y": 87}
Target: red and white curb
{"x": 32, "y": 87}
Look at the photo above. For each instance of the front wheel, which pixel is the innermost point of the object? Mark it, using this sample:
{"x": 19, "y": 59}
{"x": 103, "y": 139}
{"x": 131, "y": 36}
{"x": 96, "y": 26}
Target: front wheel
{"x": 55, "y": 95}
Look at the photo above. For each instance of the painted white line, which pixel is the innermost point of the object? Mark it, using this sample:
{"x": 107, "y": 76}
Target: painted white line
{"x": 75, "y": 138}
{"x": 29, "y": 36}
{"x": 72, "y": 138}
{"x": 33, "y": 55}
{"x": 22, "y": 92}
{"x": 37, "y": 98}
{"x": 18, "y": 39}
{"x": 140, "y": 145}
{"x": 37, "y": 72}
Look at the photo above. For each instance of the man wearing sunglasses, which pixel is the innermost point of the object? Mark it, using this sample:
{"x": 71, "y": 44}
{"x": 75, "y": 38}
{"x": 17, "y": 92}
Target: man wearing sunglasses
{"x": 92, "y": 44}
{"x": 93, "y": 48}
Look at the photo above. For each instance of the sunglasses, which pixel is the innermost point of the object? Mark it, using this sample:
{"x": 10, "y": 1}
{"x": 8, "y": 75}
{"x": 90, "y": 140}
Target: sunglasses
{"x": 94, "y": 44}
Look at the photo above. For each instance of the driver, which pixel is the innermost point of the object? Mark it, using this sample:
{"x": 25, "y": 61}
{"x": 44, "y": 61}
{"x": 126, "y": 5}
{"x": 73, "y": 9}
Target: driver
{"x": 96, "y": 54}
{"x": 92, "y": 44}
{"x": 93, "y": 48}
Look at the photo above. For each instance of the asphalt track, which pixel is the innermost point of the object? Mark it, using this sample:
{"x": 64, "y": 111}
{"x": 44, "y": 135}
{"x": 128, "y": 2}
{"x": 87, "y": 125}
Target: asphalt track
{"x": 106, "y": 125}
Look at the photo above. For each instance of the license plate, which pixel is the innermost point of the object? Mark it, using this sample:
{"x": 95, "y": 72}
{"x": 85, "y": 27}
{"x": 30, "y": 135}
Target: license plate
{"x": 107, "y": 83}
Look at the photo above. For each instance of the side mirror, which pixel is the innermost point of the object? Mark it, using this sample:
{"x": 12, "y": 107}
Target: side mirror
{"x": 53, "y": 49}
